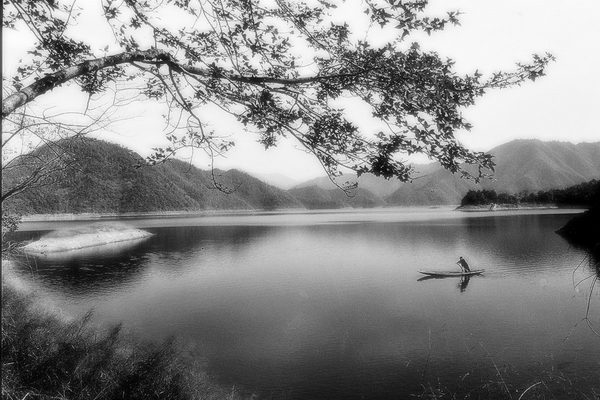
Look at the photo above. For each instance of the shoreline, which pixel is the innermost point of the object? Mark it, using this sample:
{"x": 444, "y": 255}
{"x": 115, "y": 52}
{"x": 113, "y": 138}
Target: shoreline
{"x": 139, "y": 215}
{"x": 510, "y": 207}
{"x": 111, "y": 217}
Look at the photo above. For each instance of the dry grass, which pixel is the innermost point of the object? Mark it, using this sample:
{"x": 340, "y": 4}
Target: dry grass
{"x": 505, "y": 383}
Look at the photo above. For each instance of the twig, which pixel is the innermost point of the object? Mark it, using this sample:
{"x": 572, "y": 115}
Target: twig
{"x": 487, "y": 353}
{"x": 525, "y": 391}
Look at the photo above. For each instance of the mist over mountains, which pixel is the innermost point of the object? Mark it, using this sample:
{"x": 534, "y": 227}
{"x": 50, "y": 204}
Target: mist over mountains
{"x": 521, "y": 166}
{"x": 105, "y": 180}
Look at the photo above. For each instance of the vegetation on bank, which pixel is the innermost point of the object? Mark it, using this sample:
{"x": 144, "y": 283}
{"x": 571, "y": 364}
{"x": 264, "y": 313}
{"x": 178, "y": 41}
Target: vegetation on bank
{"x": 581, "y": 195}
{"x": 45, "y": 356}
{"x": 583, "y": 230}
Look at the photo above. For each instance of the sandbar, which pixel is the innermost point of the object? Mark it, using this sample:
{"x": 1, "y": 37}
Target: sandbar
{"x": 80, "y": 238}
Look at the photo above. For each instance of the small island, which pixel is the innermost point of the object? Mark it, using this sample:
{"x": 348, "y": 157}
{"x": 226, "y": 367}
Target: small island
{"x": 84, "y": 237}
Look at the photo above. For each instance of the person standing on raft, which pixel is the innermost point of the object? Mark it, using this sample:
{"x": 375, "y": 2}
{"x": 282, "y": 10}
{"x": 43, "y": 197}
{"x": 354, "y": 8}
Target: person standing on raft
{"x": 462, "y": 263}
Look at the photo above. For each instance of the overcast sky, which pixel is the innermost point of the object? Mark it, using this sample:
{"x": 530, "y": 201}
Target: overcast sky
{"x": 493, "y": 36}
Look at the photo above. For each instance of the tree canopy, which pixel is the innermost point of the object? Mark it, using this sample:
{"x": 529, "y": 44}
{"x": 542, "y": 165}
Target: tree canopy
{"x": 280, "y": 67}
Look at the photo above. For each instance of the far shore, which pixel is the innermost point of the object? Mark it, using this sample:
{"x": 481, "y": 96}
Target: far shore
{"x": 509, "y": 207}
{"x": 138, "y": 215}
{"x": 99, "y": 217}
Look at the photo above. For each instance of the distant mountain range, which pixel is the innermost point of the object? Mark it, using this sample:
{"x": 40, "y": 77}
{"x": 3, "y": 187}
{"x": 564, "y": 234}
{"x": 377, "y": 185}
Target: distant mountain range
{"x": 521, "y": 166}
{"x": 278, "y": 180}
{"x": 378, "y": 186}
{"x": 107, "y": 181}
{"x": 314, "y": 197}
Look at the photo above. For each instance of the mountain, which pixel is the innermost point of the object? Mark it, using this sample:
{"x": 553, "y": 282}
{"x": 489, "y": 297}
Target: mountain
{"x": 314, "y": 197}
{"x": 532, "y": 165}
{"x": 521, "y": 165}
{"x": 278, "y": 180}
{"x": 377, "y": 185}
{"x": 105, "y": 179}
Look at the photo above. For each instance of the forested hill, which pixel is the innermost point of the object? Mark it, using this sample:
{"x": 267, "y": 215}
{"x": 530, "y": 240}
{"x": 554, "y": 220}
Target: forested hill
{"x": 105, "y": 180}
{"x": 521, "y": 166}
{"x": 315, "y": 197}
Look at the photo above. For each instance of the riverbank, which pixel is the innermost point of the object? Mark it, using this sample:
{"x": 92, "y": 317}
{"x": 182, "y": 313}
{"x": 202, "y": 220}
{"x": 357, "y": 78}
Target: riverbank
{"x": 49, "y": 356}
{"x": 97, "y": 234}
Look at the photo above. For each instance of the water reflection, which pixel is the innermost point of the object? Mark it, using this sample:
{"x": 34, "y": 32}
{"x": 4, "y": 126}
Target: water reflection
{"x": 90, "y": 279}
{"x": 464, "y": 282}
{"x": 116, "y": 267}
{"x": 515, "y": 244}
{"x": 593, "y": 253}
{"x": 88, "y": 271}
{"x": 188, "y": 239}
{"x": 462, "y": 285}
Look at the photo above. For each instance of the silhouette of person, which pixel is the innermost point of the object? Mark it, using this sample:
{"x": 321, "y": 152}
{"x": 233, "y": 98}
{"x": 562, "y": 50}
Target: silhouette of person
{"x": 462, "y": 263}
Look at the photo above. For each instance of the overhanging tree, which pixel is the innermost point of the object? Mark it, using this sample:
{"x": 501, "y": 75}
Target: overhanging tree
{"x": 280, "y": 67}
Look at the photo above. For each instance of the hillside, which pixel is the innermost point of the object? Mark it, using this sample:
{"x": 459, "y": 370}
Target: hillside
{"x": 377, "y": 185}
{"x": 521, "y": 166}
{"x": 105, "y": 179}
{"x": 278, "y": 180}
{"x": 532, "y": 165}
{"x": 314, "y": 197}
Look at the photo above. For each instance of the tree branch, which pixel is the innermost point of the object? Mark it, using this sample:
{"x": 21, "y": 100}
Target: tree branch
{"x": 51, "y": 81}
{"x": 152, "y": 56}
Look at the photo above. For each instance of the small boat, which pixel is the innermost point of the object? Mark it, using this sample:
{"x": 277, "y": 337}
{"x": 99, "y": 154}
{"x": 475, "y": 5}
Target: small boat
{"x": 452, "y": 273}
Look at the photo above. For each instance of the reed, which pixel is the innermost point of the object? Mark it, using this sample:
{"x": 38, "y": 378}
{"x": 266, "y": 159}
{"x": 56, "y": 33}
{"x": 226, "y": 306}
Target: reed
{"x": 504, "y": 382}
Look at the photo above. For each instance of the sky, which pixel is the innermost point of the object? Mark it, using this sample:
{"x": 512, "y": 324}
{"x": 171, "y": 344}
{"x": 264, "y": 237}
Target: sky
{"x": 493, "y": 36}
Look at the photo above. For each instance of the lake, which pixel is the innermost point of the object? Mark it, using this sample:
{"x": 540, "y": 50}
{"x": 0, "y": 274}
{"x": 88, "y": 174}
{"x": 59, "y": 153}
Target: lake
{"x": 329, "y": 305}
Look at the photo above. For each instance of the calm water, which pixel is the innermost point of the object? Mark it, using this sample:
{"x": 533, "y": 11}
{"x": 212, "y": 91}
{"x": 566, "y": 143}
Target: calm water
{"x": 330, "y": 304}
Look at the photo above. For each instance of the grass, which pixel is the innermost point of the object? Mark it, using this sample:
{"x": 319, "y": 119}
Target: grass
{"x": 504, "y": 382}
{"x": 45, "y": 356}
{"x": 550, "y": 386}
